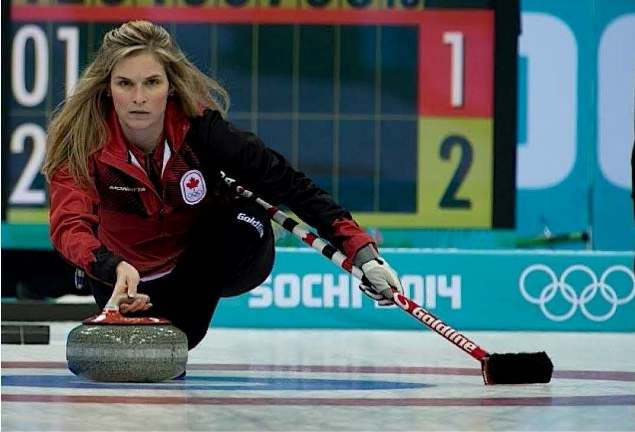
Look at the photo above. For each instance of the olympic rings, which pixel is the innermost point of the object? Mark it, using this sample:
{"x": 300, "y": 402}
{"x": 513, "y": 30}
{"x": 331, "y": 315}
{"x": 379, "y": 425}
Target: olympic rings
{"x": 587, "y": 294}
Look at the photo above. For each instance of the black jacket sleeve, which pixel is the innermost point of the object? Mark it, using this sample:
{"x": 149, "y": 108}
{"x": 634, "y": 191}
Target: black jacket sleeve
{"x": 243, "y": 156}
{"x": 105, "y": 266}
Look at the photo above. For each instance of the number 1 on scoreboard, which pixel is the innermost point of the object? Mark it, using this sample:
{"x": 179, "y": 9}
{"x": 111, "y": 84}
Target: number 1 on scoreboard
{"x": 455, "y": 40}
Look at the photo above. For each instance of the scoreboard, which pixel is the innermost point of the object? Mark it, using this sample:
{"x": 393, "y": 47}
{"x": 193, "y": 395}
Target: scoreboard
{"x": 404, "y": 110}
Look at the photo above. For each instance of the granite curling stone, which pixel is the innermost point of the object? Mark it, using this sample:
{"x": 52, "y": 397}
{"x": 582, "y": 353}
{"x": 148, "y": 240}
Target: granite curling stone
{"x": 115, "y": 348}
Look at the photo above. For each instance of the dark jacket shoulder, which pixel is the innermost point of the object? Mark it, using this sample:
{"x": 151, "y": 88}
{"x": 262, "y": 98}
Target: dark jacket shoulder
{"x": 242, "y": 155}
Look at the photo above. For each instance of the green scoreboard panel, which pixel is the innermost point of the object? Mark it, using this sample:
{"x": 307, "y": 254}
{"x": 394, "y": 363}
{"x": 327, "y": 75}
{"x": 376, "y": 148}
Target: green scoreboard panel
{"x": 402, "y": 109}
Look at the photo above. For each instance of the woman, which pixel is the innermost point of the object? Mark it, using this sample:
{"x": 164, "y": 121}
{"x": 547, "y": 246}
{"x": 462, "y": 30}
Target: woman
{"x": 136, "y": 200}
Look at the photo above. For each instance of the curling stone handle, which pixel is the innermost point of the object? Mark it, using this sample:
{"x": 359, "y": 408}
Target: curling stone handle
{"x": 115, "y": 301}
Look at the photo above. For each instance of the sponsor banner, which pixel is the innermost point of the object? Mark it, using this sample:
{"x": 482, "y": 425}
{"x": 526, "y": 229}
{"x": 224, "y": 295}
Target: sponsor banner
{"x": 467, "y": 290}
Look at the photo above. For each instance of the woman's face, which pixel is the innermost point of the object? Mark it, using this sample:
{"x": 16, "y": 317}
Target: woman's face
{"x": 139, "y": 87}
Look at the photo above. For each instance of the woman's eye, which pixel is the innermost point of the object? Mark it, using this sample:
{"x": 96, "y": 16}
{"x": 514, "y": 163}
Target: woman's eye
{"x": 124, "y": 83}
{"x": 153, "y": 82}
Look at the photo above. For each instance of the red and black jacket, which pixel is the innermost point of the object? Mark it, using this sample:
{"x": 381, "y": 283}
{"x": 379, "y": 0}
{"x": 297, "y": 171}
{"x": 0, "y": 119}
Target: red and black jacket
{"x": 122, "y": 216}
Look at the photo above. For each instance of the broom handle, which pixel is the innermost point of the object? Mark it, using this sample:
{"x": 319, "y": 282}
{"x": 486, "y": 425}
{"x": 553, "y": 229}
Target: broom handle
{"x": 343, "y": 262}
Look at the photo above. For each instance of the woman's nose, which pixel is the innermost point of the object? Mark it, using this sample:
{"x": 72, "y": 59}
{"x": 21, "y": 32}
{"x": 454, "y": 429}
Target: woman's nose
{"x": 139, "y": 95}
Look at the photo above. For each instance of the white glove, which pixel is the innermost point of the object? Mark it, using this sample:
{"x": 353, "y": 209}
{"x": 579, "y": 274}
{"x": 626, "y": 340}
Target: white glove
{"x": 379, "y": 278}
{"x": 374, "y": 295}
{"x": 382, "y": 281}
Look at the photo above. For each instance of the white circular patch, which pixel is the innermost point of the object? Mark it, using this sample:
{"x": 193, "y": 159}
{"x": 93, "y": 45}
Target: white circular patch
{"x": 193, "y": 187}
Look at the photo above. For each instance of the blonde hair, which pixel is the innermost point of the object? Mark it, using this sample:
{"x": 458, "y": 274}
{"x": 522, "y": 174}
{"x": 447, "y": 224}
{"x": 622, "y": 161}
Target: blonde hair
{"x": 79, "y": 127}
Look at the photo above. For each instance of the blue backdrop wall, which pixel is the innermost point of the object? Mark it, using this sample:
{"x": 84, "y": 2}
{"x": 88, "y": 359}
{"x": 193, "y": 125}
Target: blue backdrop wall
{"x": 576, "y": 99}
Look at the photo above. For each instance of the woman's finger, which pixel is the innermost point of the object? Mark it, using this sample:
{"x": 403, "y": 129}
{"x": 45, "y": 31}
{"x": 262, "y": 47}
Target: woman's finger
{"x": 136, "y": 304}
{"x": 132, "y": 282}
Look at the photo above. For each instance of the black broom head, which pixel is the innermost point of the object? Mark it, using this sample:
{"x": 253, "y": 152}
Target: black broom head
{"x": 521, "y": 368}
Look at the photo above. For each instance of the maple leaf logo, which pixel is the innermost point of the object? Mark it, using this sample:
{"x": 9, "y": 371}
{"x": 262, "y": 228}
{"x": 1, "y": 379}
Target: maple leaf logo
{"x": 192, "y": 183}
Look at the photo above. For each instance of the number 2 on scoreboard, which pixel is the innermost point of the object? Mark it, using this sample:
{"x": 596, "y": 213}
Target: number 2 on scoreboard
{"x": 449, "y": 198}
{"x": 455, "y": 172}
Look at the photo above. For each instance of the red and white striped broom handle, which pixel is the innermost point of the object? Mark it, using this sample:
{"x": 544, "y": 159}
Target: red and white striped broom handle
{"x": 343, "y": 262}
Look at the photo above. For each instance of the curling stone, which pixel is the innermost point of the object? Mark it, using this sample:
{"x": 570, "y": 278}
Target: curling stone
{"x": 112, "y": 347}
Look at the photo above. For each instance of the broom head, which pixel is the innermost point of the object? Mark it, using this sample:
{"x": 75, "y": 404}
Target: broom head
{"x": 521, "y": 368}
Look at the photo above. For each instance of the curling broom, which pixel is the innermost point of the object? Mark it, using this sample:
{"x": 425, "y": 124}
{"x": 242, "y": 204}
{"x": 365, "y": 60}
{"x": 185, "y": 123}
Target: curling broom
{"x": 510, "y": 368}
